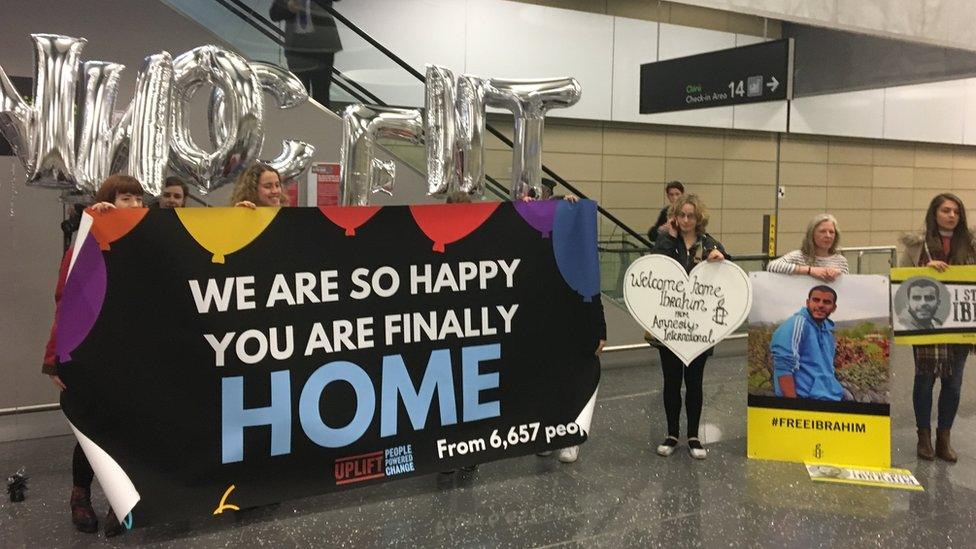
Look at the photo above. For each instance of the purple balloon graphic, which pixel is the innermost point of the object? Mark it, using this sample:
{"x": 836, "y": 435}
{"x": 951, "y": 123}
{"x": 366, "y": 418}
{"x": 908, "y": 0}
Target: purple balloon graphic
{"x": 81, "y": 299}
{"x": 539, "y": 214}
{"x": 579, "y": 264}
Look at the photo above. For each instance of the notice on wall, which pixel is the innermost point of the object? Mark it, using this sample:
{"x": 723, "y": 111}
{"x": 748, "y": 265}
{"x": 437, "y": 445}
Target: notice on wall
{"x": 930, "y": 307}
{"x": 323, "y": 184}
{"x": 818, "y": 370}
{"x": 385, "y": 343}
{"x": 687, "y": 313}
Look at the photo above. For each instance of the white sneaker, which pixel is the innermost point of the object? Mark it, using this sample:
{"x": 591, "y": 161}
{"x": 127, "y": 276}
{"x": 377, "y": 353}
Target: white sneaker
{"x": 667, "y": 447}
{"x": 545, "y": 454}
{"x": 696, "y": 449}
{"x": 569, "y": 455}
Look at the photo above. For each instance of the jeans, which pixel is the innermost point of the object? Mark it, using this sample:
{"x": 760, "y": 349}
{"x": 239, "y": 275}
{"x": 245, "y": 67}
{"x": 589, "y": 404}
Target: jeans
{"x": 948, "y": 396}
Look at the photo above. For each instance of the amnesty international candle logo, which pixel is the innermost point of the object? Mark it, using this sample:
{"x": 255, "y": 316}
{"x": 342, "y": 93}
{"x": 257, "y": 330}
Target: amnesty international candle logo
{"x": 931, "y": 307}
{"x": 688, "y": 313}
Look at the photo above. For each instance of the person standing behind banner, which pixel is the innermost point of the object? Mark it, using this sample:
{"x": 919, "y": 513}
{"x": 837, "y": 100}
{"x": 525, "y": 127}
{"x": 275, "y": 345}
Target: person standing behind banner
{"x": 685, "y": 241}
{"x": 818, "y": 256}
{"x": 311, "y": 42}
{"x": 173, "y": 194}
{"x": 672, "y": 191}
{"x": 259, "y": 185}
{"x": 117, "y": 191}
{"x": 592, "y": 339}
{"x": 945, "y": 241}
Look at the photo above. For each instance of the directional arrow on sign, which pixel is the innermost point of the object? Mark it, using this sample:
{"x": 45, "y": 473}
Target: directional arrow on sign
{"x": 772, "y": 85}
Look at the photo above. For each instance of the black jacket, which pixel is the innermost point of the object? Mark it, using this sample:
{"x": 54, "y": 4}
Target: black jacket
{"x": 675, "y": 249}
{"x": 662, "y": 218}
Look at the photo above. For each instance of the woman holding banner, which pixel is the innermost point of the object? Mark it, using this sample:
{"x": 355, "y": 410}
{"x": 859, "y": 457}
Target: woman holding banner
{"x": 818, "y": 256}
{"x": 259, "y": 185}
{"x": 686, "y": 242}
{"x": 945, "y": 241}
{"x": 118, "y": 191}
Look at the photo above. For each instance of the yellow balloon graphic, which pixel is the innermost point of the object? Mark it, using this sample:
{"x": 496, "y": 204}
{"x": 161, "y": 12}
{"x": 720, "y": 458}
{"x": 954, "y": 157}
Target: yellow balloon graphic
{"x": 223, "y": 231}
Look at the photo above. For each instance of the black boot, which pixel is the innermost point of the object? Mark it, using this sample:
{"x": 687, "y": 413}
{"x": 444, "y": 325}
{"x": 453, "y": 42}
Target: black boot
{"x": 82, "y": 514}
{"x": 112, "y": 525}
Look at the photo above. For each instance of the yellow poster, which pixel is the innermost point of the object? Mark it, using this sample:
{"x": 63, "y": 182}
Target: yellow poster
{"x": 818, "y": 370}
{"x": 931, "y": 307}
{"x": 819, "y": 437}
{"x": 881, "y": 477}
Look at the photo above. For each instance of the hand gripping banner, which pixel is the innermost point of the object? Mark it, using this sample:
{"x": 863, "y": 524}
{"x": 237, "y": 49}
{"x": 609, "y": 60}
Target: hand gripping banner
{"x": 220, "y": 359}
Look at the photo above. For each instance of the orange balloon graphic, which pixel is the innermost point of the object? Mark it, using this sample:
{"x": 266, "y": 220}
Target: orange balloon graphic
{"x": 447, "y": 223}
{"x": 111, "y": 225}
{"x": 223, "y": 231}
{"x": 349, "y": 218}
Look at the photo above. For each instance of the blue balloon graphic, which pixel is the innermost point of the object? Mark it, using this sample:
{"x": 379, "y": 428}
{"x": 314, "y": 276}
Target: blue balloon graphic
{"x": 579, "y": 264}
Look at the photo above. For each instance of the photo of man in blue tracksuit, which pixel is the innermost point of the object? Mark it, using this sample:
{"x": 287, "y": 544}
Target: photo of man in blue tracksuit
{"x": 803, "y": 350}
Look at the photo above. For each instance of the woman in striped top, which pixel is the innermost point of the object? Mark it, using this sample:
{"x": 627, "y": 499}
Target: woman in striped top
{"x": 818, "y": 257}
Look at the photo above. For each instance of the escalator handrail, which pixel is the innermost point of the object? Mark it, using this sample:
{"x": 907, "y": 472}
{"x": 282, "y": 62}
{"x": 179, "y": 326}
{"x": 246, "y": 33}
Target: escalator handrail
{"x": 406, "y": 66}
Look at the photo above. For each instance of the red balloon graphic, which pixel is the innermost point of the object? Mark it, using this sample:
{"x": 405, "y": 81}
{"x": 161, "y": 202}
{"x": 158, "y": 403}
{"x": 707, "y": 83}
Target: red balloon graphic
{"x": 349, "y": 218}
{"x": 111, "y": 225}
{"x": 449, "y": 223}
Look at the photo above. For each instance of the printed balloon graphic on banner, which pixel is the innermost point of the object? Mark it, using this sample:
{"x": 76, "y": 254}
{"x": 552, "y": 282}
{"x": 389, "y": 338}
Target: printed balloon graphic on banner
{"x": 81, "y": 299}
{"x": 539, "y": 213}
{"x": 445, "y": 225}
{"x": 349, "y": 218}
{"x": 579, "y": 265}
{"x": 111, "y": 225}
{"x": 223, "y": 231}
{"x": 687, "y": 313}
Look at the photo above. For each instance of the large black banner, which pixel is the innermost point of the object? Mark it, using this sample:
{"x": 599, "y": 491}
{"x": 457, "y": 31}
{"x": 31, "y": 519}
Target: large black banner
{"x": 227, "y": 358}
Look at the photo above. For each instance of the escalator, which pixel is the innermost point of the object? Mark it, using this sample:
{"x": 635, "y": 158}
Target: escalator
{"x": 365, "y": 71}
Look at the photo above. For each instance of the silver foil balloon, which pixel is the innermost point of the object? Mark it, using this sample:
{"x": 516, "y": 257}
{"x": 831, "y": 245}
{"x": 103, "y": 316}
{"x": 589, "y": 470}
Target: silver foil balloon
{"x": 282, "y": 84}
{"x": 17, "y": 122}
{"x": 137, "y": 144}
{"x": 148, "y": 117}
{"x": 470, "y": 139}
{"x": 287, "y": 90}
{"x": 528, "y": 100}
{"x": 294, "y": 159}
{"x": 384, "y": 176}
{"x": 362, "y": 126}
{"x": 98, "y": 87}
{"x": 439, "y": 130}
{"x": 53, "y": 139}
{"x": 243, "y": 115}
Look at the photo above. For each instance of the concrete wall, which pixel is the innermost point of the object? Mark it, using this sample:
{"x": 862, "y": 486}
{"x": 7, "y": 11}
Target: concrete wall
{"x": 939, "y": 22}
{"x": 877, "y": 189}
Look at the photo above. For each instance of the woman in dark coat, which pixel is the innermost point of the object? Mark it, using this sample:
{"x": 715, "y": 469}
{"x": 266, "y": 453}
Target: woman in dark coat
{"x": 685, "y": 241}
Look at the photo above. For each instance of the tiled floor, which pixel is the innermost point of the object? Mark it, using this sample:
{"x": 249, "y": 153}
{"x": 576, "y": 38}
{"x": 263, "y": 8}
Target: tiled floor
{"x": 620, "y": 493}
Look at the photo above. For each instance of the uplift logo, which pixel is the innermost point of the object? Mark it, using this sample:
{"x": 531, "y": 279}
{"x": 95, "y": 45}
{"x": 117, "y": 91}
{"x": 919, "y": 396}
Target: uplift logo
{"x": 359, "y": 468}
{"x": 394, "y": 461}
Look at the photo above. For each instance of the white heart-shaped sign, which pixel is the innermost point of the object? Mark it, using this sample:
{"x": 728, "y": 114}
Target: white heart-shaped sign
{"x": 687, "y": 313}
